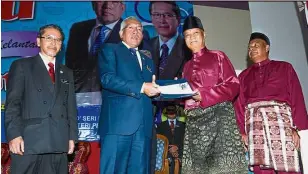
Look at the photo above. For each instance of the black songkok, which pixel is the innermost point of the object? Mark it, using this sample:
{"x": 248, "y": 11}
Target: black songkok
{"x": 192, "y": 22}
{"x": 257, "y": 35}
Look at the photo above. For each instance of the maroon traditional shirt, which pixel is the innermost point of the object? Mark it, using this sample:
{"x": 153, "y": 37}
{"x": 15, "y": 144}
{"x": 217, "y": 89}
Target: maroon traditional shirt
{"x": 212, "y": 73}
{"x": 271, "y": 80}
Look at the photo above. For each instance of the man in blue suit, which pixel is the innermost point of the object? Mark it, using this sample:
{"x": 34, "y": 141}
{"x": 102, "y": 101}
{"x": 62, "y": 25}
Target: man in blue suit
{"x": 126, "y": 122}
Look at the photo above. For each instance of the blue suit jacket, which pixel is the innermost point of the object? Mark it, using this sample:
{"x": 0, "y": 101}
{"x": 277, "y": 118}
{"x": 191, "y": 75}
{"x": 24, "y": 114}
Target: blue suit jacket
{"x": 124, "y": 108}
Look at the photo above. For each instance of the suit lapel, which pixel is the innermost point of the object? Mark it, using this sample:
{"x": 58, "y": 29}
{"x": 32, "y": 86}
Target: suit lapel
{"x": 168, "y": 129}
{"x": 57, "y": 82}
{"x": 126, "y": 52}
{"x": 156, "y": 55}
{"x": 40, "y": 74}
{"x": 176, "y": 128}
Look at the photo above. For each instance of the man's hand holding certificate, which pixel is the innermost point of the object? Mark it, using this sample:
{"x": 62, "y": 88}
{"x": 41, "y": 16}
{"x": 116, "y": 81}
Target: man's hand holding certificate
{"x": 174, "y": 89}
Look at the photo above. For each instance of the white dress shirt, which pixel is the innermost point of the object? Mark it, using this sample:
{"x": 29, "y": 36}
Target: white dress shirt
{"x": 140, "y": 62}
{"x": 137, "y": 52}
{"x": 174, "y": 121}
{"x": 46, "y": 61}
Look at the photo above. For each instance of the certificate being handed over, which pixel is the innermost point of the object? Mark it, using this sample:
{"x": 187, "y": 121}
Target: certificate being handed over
{"x": 173, "y": 89}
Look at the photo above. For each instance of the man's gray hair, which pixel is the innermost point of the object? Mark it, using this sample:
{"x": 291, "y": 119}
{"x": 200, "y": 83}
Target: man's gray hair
{"x": 123, "y": 23}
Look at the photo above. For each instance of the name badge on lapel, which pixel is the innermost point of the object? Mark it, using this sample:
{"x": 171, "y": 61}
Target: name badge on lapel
{"x": 64, "y": 81}
{"x": 149, "y": 69}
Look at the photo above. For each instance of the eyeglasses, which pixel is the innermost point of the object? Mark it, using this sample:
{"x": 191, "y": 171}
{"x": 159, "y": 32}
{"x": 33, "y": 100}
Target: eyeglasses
{"x": 115, "y": 3}
{"x": 195, "y": 34}
{"x": 52, "y": 39}
{"x": 165, "y": 15}
{"x": 132, "y": 28}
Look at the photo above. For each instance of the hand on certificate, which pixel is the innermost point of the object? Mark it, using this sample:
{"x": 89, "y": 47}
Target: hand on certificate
{"x": 151, "y": 89}
{"x": 197, "y": 96}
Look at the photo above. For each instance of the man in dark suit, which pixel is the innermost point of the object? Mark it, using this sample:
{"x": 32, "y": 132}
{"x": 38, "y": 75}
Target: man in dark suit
{"x": 126, "y": 121}
{"x": 174, "y": 130}
{"x": 40, "y": 109}
{"x": 85, "y": 39}
{"x": 169, "y": 49}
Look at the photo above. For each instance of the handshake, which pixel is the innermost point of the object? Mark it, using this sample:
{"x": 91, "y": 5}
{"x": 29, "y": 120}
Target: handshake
{"x": 151, "y": 89}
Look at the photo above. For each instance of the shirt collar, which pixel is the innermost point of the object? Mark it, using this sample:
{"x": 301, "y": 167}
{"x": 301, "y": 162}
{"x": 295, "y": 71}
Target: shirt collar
{"x": 200, "y": 53}
{"x": 128, "y": 45}
{"x": 46, "y": 60}
{"x": 170, "y": 43}
{"x": 262, "y": 63}
{"x": 174, "y": 120}
{"x": 110, "y": 26}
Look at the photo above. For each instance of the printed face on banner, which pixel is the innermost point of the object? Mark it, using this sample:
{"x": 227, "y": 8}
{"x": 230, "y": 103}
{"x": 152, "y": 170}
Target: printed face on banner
{"x": 50, "y": 42}
{"x": 108, "y": 11}
{"x": 132, "y": 33}
{"x": 164, "y": 19}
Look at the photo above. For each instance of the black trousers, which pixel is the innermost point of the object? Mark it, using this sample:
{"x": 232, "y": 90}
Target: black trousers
{"x": 55, "y": 163}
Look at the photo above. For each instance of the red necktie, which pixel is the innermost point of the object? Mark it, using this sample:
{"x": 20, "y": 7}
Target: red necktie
{"x": 172, "y": 126}
{"x": 51, "y": 71}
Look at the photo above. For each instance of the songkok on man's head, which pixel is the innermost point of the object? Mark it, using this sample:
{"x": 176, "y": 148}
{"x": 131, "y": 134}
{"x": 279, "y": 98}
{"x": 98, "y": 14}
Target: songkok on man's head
{"x": 257, "y": 35}
{"x": 192, "y": 22}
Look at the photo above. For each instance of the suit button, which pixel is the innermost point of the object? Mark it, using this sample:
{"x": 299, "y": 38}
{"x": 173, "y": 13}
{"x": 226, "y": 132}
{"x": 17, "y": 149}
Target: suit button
{"x": 45, "y": 102}
{"x": 65, "y": 92}
{"x": 62, "y": 115}
{"x": 50, "y": 115}
{"x": 39, "y": 90}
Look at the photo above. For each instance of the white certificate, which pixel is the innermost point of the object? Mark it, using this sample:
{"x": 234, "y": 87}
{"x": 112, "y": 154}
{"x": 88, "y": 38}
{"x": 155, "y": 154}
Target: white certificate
{"x": 180, "y": 88}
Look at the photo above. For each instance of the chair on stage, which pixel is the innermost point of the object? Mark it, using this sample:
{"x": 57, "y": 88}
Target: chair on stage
{"x": 162, "y": 161}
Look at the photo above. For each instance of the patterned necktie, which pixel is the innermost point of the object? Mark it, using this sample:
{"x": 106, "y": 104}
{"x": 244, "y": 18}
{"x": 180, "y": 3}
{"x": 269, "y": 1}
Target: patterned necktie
{"x": 51, "y": 71}
{"x": 172, "y": 126}
{"x": 99, "y": 39}
{"x": 163, "y": 58}
{"x": 133, "y": 51}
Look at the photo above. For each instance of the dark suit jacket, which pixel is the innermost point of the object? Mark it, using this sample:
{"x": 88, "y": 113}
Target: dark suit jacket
{"x": 177, "y": 58}
{"x": 124, "y": 108}
{"x": 78, "y": 58}
{"x": 43, "y": 113}
{"x": 177, "y": 139}
{"x": 81, "y": 62}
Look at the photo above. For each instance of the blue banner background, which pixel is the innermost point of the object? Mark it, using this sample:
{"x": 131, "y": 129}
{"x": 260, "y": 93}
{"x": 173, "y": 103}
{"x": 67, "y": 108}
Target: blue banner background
{"x": 65, "y": 14}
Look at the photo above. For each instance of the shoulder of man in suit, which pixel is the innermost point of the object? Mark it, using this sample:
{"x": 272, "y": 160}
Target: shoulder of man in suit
{"x": 85, "y": 23}
{"x": 22, "y": 62}
{"x": 154, "y": 39}
{"x": 64, "y": 69}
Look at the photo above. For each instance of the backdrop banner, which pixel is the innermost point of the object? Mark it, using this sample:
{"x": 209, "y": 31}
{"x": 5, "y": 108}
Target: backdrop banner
{"x": 20, "y": 23}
